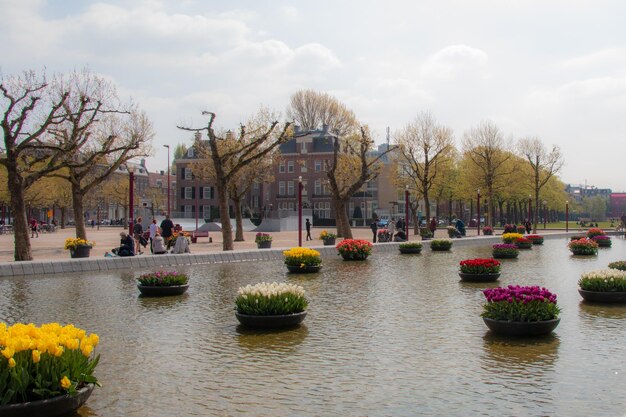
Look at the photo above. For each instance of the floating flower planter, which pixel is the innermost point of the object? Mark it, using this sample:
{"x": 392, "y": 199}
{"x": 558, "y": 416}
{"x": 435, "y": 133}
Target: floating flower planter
{"x": 270, "y": 306}
{"x": 520, "y": 311}
{"x": 505, "y": 251}
{"x": 511, "y": 237}
{"x": 584, "y": 246}
{"x": 523, "y": 243}
{"x": 603, "y": 241}
{"x": 162, "y": 283}
{"x": 440, "y": 245}
{"x": 263, "y": 240}
{"x": 328, "y": 238}
{"x": 412, "y": 247}
{"x": 604, "y": 286}
{"x": 479, "y": 270}
{"x": 79, "y": 248}
{"x": 354, "y": 249}
{"x": 302, "y": 260}
{"x": 535, "y": 239}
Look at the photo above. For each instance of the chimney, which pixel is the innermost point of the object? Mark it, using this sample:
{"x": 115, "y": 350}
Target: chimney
{"x": 143, "y": 162}
{"x": 296, "y": 129}
{"x": 162, "y": 172}
{"x": 197, "y": 136}
{"x": 325, "y": 128}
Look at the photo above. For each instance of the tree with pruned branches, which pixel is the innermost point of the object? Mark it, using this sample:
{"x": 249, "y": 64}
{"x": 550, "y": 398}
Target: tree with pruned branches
{"x": 311, "y": 110}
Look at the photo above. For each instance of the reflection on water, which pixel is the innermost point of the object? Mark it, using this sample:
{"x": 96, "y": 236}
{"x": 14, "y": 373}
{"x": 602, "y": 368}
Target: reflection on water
{"x": 394, "y": 335}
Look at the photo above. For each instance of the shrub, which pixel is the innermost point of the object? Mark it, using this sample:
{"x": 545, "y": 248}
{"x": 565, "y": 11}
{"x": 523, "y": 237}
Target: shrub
{"x": 265, "y": 299}
{"x": 45, "y": 362}
{"x": 354, "y": 248}
{"x": 523, "y": 304}
{"x": 602, "y": 240}
{"x": 163, "y": 279}
{"x": 302, "y": 257}
{"x": 488, "y": 230}
{"x": 583, "y": 247}
{"x": 480, "y": 266}
{"x": 511, "y": 237}
{"x": 263, "y": 237}
{"x": 451, "y": 231}
{"x": 425, "y": 233}
{"x": 605, "y": 280}
{"x": 72, "y": 243}
{"x": 594, "y": 231}
{"x": 324, "y": 235}
{"x": 440, "y": 244}
{"x": 505, "y": 249}
{"x": 621, "y": 265}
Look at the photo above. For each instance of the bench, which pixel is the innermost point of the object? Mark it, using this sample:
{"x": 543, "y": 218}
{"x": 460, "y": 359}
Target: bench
{"x": 199, "y": 233}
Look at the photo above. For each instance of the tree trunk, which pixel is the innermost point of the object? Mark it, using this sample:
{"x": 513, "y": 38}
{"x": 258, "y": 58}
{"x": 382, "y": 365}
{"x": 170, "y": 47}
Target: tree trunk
{"x": 22, "y": 250}
{"x": 238, "y": 220}
{"x": 426, "y": 206}
{"x": 79, "y": 219}
{"x": 449, "y": 211}
{"x": 62, "y": 217}
{"x": 227, "y": 232}
{"x": 343, "y": 222}
{"x": 536, "y": 219}
{"x": 416, "y": 225}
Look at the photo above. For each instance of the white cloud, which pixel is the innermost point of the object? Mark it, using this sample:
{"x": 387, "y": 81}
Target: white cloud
{"x": 456, "y": 61}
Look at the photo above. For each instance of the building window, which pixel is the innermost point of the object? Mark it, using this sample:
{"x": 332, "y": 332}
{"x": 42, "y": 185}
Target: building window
{"x": 303, "y": 148}
{"x": 206, "y": 193}
{"x": 318, "y": 187}
{"x": 281, "y": 167}
{"x": 188, "y": 193}
{"x": 318, "y": 166}
{"x": 281, "y": 188}
{"x": 290, "y": 188}
{"x": 289, "y": 166}
{"x": 291, "y": 206}
{"x": 188, "y": 211}
{"x": 325, "y": 189}
{"x": 190, "y": 153}
{"x": 188, "y": 173}
{"x": 303, "y": 166}
{"x": 206, "y": 212}
{"x": 255, "y": 201}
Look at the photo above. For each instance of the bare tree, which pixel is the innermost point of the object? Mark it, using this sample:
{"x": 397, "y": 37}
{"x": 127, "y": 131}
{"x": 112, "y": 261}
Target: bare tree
{"x": 311, "y": 110}
{"x": 543, "y": 163}
{"x": 229, "y": 161}
{"x": 29, "y": 108}
{"x": 349, "y": 169}
{"x": 425, "y": 148}
{"x": 486, "y": 148}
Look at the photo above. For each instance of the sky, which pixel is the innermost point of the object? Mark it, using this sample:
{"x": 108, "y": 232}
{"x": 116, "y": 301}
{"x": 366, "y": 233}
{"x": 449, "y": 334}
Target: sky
{"x": 552, "y": 69}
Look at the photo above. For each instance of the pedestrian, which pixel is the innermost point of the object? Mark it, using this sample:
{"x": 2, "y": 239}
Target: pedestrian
{"x": 391, "y": 227}
{"x": 138, "y": 232}
{"x": 34, "y": 228}
{"x": 154, "y": 229}
{"x": 166, "y": 227}
{"x": 374, "y": 227}
{"x": 528, "y": 226}
{"x": 93, "y": 223}
{"x": 433, "y": 226}
{"x": 307, "y": 224}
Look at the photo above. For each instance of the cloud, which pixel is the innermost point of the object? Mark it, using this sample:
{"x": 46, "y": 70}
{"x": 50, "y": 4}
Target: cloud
{"x": 456, "y": 61}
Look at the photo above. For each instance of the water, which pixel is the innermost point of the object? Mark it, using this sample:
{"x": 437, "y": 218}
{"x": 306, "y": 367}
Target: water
{"x": 397, "y": 335}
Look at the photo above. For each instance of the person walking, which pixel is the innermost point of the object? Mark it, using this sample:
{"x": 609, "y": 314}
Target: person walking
{"x": 137, "y": 232}
{"x": 307, "y": 224}
{"x": 391, "y": 229}
{"x": 166, "y": 227}
{"x": 433, "y": 226}
{"x": 374, "y": 227}
{"x": 34, "y": 228}
{"x": 154, "y": 229}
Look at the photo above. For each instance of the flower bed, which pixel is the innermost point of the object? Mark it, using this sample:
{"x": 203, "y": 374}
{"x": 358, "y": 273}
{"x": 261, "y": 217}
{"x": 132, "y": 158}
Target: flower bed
{"x": 265, "y": 299}
{"x": 521, "y": 229}
{"x": 163, "y": 279}
{"x": 603, "y": 241}
{"x": 511, "y": 237}
{"x": 354, "y": 249}
{"x": 327, "y": 237}
{"x": 488, "y": 230}
{"x": 451, "y": 231}
{"x": 583, "y": 247}
{"x": 604, "y": 280}
{"x": 523, "y": 243}
{"x": 45, "y": 362}
{"x": 620, "y": 265}
{"x": 302, "y": 258}
{"x": 480, "y": 266}
{"x": 594, "y": 231}
{"x": 410, "y": 247}
{"x": 73, "y": 243}
{"x": 262, "y": 237}
{"x": 535, "y": 239}
{"x": 509, "y": 228}
{"x": 520, "y": 304}
{"x": 440, "y": 244}
{"x": 505, "y": 250}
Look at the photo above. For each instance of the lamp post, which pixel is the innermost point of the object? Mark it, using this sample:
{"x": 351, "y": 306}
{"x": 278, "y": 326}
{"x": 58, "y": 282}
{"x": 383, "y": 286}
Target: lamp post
{"x": 131, "y": 197}
{"x": 545, "y": 214}
{"x": 300, "y": 211}
{"x": 168, "y": 179}
{"x": 567, "y": 216}
{"x": 195, "y": 184}
{"x": 530, "y": 206}
{"x": 365, "y": 206}
{"x": 406, "y": 211}
{"x": 478, "y": 212}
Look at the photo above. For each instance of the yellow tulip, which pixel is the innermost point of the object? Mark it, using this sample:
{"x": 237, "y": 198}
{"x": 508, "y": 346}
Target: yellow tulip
{"x": 36, "y": 356}
{"x": 65, "y": 382}
{"x": 11, "y": 363}
{"x": 8, "y": 352}
{"x": 86, "y": 349}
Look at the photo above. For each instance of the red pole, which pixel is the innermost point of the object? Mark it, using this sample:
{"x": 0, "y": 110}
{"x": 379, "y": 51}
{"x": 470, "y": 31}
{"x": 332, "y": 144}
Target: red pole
{"x": 406, "y": 211}
{"x": 131, "y": 200}
{"x": 197, "y": 203}
{"x": 300, "y": 211}
{"x": 567, "y": 216}
{"x": 169, "y": 208}
{"x": 478, "y": 211}
{"x": 530, "y": 205}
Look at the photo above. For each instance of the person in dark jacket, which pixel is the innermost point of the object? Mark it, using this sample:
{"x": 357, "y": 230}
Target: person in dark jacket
{"x": 308, "y": 230}
{"x": 127, "y": 245}
{"x": 138, "y": 232}
{"x": 374, "y": 227}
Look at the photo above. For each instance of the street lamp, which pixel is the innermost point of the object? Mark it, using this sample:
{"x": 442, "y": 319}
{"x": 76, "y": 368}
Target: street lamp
{"x": 168, "y": 179}
{"x": 545, "y": 214}
{"x": 530, "y": 205}
{"x": 567, "y": 216}
{"x": 300, "y": 211}
{"x": 478, "y": 212}
{"x": 131, "y": 197}
{"x": 406, "y": 211}
{"x": 365, "y": 206}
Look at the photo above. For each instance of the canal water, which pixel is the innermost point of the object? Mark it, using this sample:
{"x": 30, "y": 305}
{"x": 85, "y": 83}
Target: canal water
{"x": 396, "y": 335}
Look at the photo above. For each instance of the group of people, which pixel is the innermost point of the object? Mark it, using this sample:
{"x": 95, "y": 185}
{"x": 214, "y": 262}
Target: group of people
{"x": 130, "y": 245}
{"x": 394, "y": 232}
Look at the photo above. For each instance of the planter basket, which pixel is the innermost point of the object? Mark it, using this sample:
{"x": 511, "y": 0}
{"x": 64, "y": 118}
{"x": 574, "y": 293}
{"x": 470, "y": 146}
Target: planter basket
{"x": 583, "y": 252}
{"x": 524, "y": 245}
{"x": 479, "y": 277}
{"x": 521, "y": 328}
{"x": 604, "y": 243}
{"x": 308, "y": 269}
{"x": 354, "y": 257}
{"x": 329, "y": 242}
{"x": 51, "y": 407}
{"x": 270, "y": 322}
{"x": 264, "y": 245}
{"x": 538, "y": 241}
{"x": 612, "y": 297}
{"x": 80, "y": 251}
{"x": 410, "y": 250}
{"x": 505, "y": 255}
{"x": 154, "y": 291}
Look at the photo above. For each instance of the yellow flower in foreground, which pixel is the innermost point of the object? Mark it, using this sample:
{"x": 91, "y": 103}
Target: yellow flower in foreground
{"x": 36, "y": 356}
{"x": 58, "y": 351}
{"x": 66, "y": 383}
{"x": 11, "y": 363}
{"x": 8, "y": 352}
{"x": 86, "y": 349}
